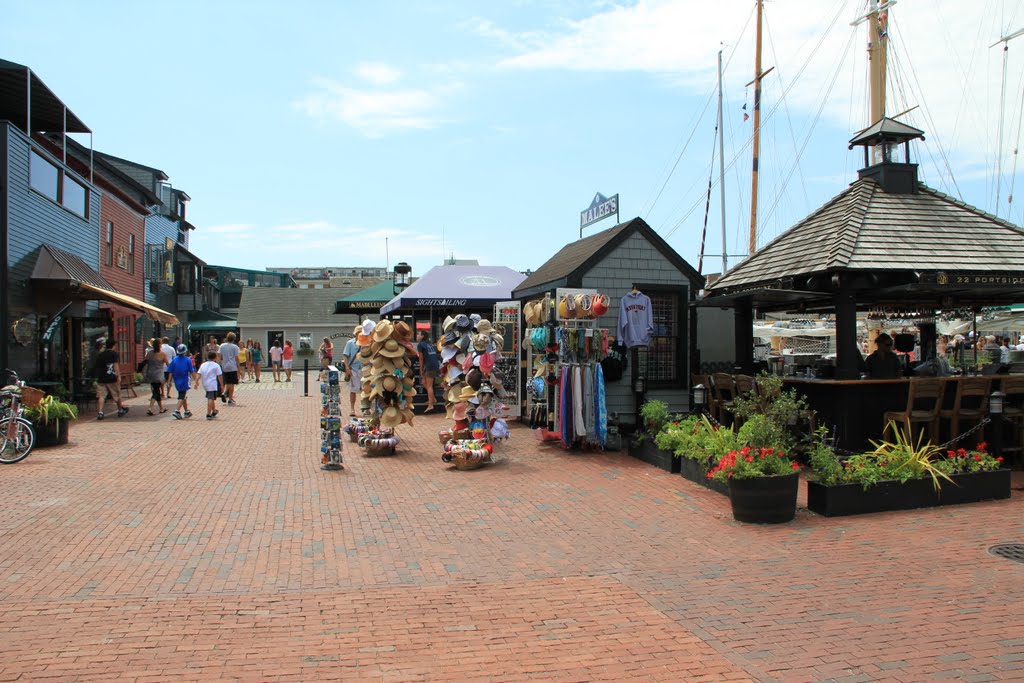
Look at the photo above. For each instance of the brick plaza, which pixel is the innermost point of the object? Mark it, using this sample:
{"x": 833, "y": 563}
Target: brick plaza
{"x": 152, "y": 549}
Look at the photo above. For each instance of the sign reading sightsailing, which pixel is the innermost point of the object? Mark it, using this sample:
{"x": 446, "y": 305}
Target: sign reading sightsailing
{"x": 599, "y": 209}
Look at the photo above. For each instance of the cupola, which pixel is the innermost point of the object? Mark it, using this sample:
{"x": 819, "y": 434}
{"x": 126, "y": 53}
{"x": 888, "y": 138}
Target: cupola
{"x": 885, "y": 137}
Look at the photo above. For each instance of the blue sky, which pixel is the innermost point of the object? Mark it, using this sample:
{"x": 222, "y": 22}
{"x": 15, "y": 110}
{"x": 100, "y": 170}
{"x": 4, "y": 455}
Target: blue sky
{"x": 318, "y": 133}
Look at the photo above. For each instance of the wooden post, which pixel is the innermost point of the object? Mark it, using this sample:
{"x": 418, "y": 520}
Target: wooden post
{"x": 752, "y": 245}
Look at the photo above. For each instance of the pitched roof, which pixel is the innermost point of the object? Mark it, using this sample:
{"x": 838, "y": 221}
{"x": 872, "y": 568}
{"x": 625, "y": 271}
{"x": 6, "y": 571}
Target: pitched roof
{"x": 289, "y": 305}
{"x": 56, "y": 264}
{"x": 886, "y": 128}
{"x": 865, "y": 228}
{"x": 576, "y": 258}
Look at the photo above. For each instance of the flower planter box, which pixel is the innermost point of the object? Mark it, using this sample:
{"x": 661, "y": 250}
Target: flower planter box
{"x": 652, "y": 455}
{"x": 692, "y": 470}
{"x": 853, "y": 499}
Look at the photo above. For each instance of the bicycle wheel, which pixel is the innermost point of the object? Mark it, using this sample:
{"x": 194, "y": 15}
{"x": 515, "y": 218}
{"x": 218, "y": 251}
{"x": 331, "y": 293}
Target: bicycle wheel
{"x": 17, "y": 446}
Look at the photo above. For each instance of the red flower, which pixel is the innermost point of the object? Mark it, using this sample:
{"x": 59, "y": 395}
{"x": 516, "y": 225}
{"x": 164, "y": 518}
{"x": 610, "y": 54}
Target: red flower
{"x": 983, "y": 446}
{"x": 999, "y": 459}
{"x": 795, "y": 466}
{"x": 977, "y": 457}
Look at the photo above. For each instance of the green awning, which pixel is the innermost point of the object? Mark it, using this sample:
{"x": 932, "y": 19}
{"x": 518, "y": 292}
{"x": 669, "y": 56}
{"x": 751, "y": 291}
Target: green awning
{"x": 213, "y": 325}
{"x": 369, "y": 300}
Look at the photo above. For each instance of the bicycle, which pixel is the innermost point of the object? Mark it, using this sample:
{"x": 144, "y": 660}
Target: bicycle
{"x": 17, "y": 436}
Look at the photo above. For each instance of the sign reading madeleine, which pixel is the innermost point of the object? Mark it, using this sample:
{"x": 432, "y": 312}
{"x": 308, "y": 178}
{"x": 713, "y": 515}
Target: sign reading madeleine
{"x": 599, "y": 209}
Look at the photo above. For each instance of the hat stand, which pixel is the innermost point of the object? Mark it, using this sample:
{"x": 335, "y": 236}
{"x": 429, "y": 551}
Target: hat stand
{"x": 383, "y": 390}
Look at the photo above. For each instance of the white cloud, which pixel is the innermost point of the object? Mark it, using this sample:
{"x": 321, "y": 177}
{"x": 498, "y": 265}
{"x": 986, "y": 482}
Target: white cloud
{"x": 377, "y": 73}
{"x": 939, "y": 58}
{"x": 377, "y": 112}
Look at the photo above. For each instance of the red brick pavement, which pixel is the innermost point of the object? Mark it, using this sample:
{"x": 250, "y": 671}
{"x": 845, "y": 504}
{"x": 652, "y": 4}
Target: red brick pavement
{"x": 156, "y": 549}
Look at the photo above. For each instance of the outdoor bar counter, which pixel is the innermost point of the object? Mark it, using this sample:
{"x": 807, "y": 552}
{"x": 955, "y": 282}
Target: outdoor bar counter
{"x": 853, "y": 407}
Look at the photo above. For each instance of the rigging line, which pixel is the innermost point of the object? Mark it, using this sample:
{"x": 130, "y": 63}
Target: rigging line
{"x": 817, "y": 117}
{"x": 1016, "y": 147}
{"x": 766, "y": 117}
{"x": 645, "y": 211}
{"x": 928, "y": 117}
{"x": 789, "y": 119}
{"x": 999, "y": 130}
{"x": 707, "y": 205}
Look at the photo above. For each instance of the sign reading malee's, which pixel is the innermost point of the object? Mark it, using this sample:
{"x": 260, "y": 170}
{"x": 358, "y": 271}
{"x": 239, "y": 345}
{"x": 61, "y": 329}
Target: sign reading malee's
{"x": 600, "y": 208}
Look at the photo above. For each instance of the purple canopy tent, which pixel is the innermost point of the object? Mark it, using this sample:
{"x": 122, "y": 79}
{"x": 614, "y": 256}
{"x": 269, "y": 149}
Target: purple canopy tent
{"x": 457, "y": 287}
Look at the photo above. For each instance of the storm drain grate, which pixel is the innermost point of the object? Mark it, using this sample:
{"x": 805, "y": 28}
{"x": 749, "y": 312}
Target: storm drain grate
{"x": 1011, "y": 551}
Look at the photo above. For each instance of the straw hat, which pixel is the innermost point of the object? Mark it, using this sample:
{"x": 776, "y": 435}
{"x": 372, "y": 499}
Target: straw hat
{"x": 467, "y": 393}
{"x": 383, "y": 330}
{"x": 357, "y": 329}
{"x": 391, "y": 349}
{"x": 484, "y": 326}
{"x": 402, "y": 330}
{"x": 391, "y": 417}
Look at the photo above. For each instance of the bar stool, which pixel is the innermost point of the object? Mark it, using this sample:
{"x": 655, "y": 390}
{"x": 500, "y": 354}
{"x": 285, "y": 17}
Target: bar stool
{"x": 969, "y": 405}
{"x": 724, "y": 393}
{"x": 924, "y": 401}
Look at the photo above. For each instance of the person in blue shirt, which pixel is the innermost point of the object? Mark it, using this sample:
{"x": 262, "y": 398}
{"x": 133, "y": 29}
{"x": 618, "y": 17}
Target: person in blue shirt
{"x": 429, "y": 365}
{"x": 183, "y": 372}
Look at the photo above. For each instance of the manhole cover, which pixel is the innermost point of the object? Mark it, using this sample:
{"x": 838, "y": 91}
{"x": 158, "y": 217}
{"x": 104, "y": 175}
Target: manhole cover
{"x": 1011, "y": 551}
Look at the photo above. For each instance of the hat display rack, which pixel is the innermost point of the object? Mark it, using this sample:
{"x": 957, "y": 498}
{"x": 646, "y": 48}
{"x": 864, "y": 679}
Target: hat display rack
{"x": 387, "y": 385}
{"x": 330, "y": 419}
{"x": 566, "y": 382}
{"x": 473, "y": 392}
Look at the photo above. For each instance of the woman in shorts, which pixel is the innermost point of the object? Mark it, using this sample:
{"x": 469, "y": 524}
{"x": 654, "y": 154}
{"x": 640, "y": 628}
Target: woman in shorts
{"x": 276, "y": 354}
{"x": 286, "y": 360}
{"x": 256, "y": 353}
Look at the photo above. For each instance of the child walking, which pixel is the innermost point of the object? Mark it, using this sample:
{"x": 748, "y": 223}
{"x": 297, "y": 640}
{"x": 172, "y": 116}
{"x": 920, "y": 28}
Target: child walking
{"x": 212, "y": 378}
{"x": 183, "y": 373}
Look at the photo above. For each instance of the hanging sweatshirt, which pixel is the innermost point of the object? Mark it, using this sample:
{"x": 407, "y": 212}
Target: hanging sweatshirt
{"x": 636, "y": 320}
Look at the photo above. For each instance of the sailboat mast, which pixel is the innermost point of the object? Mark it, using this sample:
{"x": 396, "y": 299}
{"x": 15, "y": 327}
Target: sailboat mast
{"x": 721, "y": 164}
{"x": 752, "y": 245}
{"x": 877, "y": 23}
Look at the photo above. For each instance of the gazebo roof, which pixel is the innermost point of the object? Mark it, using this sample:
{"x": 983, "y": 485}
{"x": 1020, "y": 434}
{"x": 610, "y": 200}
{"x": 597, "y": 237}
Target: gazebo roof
{"x": 865, "y": 229}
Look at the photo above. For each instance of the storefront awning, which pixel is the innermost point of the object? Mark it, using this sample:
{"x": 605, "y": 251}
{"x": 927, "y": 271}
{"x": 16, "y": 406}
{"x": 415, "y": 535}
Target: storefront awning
{"x": 213, "y": 325}
{"x": 157, "y": 314}
{"x": 458, "y": 287}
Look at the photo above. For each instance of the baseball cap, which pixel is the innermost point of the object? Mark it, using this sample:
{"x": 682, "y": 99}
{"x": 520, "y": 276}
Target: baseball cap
{"x": 182, "y": 349}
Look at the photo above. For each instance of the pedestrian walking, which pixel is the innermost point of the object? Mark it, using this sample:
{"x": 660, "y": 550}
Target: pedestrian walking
{"x": 228, "y": 354}
{"x": 156, "y": 366}
{"x": 243, "y": 359}
{"x": 352, "y": 366}
{"x": 184, "y": 373}
{"x": 108, "y": 379}
{"x": 276, "y": 354}
{"x": 212, "y": 346}
{"x": 169, "y": 351}
{"x": 429, "y": 365}
{"x": 326, "y": 353}
{"x": 287, "y": 357}
{"x": 257, "y": 359}
{"x": 212, "y": 377}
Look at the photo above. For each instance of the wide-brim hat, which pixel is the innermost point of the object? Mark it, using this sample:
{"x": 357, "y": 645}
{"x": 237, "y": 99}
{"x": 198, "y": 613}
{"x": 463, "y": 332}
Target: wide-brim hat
{"x": 498, "y": 341}
{"x": 481, "y": 342}
{"x": 474, "y": 378}
{"x": 384, "y": 363}
{"x": 463, "y": 323}
{"x": 484, "y": 326}
{"x": 389, "y": 383}
{"x": 383, "y": 331}
{"x": 391, "y": 417}
{"x": 391, "y": 349}
{"x": 474, "y": 318}
{"x": 460, "y": 411}
{"x": 357, "y": 329}
{"x": 449, "y": 338}
{"x": 364, "y": 339}
{"x": 466, "y": 393}
{"x": 448, "y": 325}
{"x": 402, "y": 330}
{"x": 453, "y": 393}
{"x": 365, "y": 354}
{"x": 448, "y": 353}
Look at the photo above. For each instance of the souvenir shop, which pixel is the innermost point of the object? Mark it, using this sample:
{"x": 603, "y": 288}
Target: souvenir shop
{"x": 613, "y": 306}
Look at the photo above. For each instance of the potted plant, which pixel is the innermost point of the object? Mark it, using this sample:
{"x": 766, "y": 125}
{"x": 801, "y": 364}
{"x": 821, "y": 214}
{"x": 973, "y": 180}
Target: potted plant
{"x": 698, "y": 444}
{"x": 903, "y": 475}
{"x": 762, "y": 479}
{"x": 654, "y": 416}
{"x": 51, "y": 418}
{"x": 137, "y": 378}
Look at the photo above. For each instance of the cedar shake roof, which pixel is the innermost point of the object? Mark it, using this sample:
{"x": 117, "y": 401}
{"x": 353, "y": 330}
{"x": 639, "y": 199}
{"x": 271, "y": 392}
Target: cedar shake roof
{"x": 866, "y": 229}
{"x": 291, "y": 305}
{"x": 577, "y": 258}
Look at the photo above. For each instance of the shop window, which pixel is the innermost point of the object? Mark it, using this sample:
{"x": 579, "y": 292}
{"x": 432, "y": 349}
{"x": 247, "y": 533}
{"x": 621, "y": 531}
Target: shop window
{"x": 185, "y": 282}
{"x": 663, "y": 359}
{"x": 108, "y": 244}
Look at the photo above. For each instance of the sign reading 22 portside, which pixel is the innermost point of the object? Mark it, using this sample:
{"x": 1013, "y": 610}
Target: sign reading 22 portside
{"x": 600, "y": 208}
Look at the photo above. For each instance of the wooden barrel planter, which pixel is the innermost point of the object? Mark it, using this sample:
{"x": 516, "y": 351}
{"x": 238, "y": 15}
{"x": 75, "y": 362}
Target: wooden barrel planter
{"x": 764, "y": 500}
